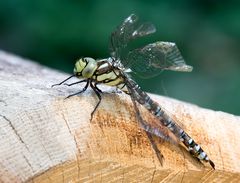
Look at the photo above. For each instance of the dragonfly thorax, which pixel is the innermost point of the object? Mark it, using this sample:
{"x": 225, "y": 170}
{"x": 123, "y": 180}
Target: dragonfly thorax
{"x": 85, "y": 67}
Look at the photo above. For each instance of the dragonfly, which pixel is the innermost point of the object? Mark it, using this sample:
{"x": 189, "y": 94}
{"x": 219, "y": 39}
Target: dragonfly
{"x": 147, "y": 61}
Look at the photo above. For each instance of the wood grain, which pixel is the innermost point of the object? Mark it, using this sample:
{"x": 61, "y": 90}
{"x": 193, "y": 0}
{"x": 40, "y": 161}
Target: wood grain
{"x": 46, "y": 138}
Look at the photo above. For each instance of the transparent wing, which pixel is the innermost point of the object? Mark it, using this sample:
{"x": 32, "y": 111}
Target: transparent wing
{"x": 130, "y": 29}
{"x": 150, "y": 60}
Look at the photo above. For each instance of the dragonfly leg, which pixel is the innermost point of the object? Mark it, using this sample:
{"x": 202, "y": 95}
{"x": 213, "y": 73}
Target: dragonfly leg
{"x": 84, "y": 89}
{"x": 95, "y": 86}
{"x": 63, "y": 81}
{"x": 149, "y": 135}
{"x": 96, "y": 90}
{"x": 75, "y": 82}
{"x": 154, "y": 146}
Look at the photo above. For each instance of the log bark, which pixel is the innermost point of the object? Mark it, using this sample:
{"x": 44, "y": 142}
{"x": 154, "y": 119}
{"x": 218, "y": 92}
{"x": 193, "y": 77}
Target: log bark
{"x": 46, "y": 138}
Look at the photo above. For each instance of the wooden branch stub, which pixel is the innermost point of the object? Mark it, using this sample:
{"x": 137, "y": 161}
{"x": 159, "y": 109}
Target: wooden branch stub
{"x": 45, "y": 138}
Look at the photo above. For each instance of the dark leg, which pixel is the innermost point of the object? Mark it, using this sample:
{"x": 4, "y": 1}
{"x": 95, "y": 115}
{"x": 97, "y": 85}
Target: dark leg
{"x": 95, "y": 86}
{"x": 84, "y": 89}
{"x": 149, "y": 135}
{"x": 63, "y": 81}
{"x": 154, "y": 146}
{"x": 76, "y": 82}
{"x": 99, "y": 97}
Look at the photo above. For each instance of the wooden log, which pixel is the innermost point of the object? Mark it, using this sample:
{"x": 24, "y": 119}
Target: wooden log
{"x": 46, "y": 138}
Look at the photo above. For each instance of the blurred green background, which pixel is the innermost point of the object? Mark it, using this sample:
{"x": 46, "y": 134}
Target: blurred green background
{"x": 56, "y": 33}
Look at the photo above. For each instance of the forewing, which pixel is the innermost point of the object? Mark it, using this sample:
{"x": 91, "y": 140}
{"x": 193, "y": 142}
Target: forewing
{"x": 130, "y": 29}
{"x": 150, "y": 60}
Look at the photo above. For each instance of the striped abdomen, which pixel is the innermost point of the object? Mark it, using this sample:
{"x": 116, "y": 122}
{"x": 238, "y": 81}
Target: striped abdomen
{"x": 165, "y": 119}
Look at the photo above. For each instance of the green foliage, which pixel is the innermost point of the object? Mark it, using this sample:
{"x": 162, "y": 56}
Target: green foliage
{"x": 56, "y": 33}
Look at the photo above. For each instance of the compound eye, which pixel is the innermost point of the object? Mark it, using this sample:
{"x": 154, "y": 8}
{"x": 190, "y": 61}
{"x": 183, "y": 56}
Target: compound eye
{"x": 85, "y": 60}
{"x": 89, "y": 59}
{"x": 79, "y": 66}
{"x": 89, "y": 68}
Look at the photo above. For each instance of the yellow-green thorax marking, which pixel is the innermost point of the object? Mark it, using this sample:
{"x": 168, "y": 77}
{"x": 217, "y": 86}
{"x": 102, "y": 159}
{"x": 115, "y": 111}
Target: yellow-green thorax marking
{"x": 100, "y": 71}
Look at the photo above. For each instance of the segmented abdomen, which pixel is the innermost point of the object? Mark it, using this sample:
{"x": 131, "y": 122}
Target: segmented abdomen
{"x": 107, "y": 74}
{"x": 144, "y": 99}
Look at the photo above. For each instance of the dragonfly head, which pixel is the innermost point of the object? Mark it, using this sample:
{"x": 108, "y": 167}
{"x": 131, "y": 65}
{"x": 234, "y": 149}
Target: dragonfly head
{"x": 85, "y": 67}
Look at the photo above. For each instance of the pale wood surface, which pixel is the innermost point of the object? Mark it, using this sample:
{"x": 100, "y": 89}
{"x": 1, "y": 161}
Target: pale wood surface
{"x": 44, "y": 138}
